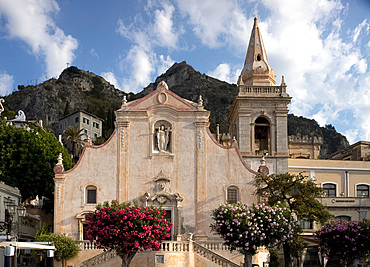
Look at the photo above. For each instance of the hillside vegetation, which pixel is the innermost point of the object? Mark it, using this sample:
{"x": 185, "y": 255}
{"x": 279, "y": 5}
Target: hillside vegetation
{"x": 77, "y": 89}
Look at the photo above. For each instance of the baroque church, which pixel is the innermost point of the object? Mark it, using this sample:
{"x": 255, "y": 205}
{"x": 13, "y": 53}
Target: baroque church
{"x": 163, "y": 154}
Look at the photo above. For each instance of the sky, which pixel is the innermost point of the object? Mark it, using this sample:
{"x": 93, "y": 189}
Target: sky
{"x": 321, "y": 47}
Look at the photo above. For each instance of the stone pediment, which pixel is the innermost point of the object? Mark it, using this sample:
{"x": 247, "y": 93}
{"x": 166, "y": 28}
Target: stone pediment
{"x": 162, "y": 96}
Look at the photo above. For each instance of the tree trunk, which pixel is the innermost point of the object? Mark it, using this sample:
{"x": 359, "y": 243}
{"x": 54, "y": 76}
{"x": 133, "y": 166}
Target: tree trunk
{"x": 287, "y": 258}
{"x": 127, "y": 260}
{"x": 247, "y": 260}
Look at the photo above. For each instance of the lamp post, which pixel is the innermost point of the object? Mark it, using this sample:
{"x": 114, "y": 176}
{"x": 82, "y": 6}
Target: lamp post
{"x": 10, "y": 210}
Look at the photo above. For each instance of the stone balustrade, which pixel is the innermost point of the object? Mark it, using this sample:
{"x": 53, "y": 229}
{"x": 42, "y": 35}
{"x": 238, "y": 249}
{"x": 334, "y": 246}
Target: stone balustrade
{"x": 214, "y": 245}
{"x": 98, "y": 259}
{"x": 176, "y": 246}
{"x": 212, "y": 256}
{"x": 268, "y": 90}
{"x": 205, "y": 250}
{"x": 87, "y": 245}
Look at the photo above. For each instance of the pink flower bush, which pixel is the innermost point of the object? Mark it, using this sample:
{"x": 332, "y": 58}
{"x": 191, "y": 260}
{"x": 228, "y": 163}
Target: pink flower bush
{"x": 345, "y": 240}
{"x": 246, "y": 228}
{"x": 127, "y": 229}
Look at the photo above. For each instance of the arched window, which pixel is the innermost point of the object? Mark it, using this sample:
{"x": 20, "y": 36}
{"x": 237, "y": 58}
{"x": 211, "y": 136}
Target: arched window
{"x": 344, "y": 218}
{"x": 362, "y": 190}
{"x": 91, "y": 194}
{"x": 232, "y": 194}
{"x": 261, "y": 136}
{"x": 330, "y": 190}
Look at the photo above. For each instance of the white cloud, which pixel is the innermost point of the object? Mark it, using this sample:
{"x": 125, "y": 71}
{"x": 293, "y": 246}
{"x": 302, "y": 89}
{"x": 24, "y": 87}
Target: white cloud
{"x": 218, "y": 24}
{"x": 222, "y": 72}
{"x": 163, "y": 27}
{"x": 352, "y": 135}
{"x": 145, "y": 36}
{"x": 363, "y": 26}
{"x": 32, "y": 22}
{"x": 6, "y": 84}
{"x": 111, "y": 78}
{"x": 164, "y": 63}
{"x": 94, "y": 53}
{"x": 225, "y": 72}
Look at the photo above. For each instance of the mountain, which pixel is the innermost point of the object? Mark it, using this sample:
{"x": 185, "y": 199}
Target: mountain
{"x": 77, "y": 89}
{"x": 188, "y": 83}
{"x": 332, "y": 140}
{"x": 74, "y": 90}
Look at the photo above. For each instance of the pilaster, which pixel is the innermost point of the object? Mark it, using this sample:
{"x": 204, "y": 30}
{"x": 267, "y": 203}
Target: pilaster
{"x": 59, "y": 183}
{"x": 200, "y": 181}
{"x": 123, "y": 135}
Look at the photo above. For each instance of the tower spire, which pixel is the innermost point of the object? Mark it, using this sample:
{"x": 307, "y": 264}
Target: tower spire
{"x": 257, "y": 70}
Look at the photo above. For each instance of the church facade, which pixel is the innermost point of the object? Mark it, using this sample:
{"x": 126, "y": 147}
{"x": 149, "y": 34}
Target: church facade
{"x": 162, "y": 153}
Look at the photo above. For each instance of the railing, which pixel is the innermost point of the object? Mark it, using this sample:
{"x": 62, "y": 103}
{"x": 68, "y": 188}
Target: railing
{"x": 212, "y": 256}
{"x": 87, "y": 245}
{"x": 214, "y": 245}
{"x": 176, "y": 246}
{"x": 98, "y": 259}
{"x": 275, "y": 90}
{"x": 203, "y": 249}
{"x": 360, "y": 202}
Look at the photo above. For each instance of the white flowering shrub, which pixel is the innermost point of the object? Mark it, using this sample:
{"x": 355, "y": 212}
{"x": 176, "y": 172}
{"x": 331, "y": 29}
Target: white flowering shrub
{"x": 245, "y": 228}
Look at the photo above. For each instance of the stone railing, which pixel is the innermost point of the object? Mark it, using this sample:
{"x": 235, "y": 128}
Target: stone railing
{"x": 98, "y": 259}
{"x": 212, "y": 256}
{"x": 214, "y": 245}
{"x": 269, "y": 90}
{"x": 87, "y": 245}
{"x": 203, "y": 249}
{"x": 176, "y": 246}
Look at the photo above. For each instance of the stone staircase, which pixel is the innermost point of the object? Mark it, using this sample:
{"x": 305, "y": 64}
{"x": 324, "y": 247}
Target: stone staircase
{"x": 205, "y": 250}
{"x": 207, "y": 253}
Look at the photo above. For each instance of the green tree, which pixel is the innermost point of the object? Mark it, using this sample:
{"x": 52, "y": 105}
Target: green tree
{"x": 9, "y": 114}
{"x": 27, "y": 159}
{"x": 65, "y": 246}
{"x": 74, "y": 136}
{"x": 301, "y": 195}
{"x": 67, "y": 109}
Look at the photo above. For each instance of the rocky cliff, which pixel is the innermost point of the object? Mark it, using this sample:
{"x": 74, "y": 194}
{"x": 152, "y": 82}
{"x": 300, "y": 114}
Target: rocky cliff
{"x": 76, "y": 89}
{"x": 218, "y": 96}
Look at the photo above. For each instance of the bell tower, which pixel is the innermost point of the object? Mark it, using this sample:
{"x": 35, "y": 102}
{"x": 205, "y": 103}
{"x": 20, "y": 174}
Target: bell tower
{"x": 258, "y": 116}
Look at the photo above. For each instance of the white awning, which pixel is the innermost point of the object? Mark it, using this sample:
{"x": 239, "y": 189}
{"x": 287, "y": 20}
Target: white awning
{"x": 27, "y": 245}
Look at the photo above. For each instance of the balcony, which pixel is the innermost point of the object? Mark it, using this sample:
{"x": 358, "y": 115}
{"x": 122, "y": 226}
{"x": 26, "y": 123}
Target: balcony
{"x": 262, "y": 90}
{"x": 342, "y": 202}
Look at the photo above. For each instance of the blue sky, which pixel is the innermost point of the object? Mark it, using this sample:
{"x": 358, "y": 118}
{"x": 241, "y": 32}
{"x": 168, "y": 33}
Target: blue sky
{"x": 321, "y": 47}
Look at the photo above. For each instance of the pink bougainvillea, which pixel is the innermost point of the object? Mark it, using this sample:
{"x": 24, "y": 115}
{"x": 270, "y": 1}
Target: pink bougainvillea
{"x": 127, "y": 229}
{"x": 346, "y": 240}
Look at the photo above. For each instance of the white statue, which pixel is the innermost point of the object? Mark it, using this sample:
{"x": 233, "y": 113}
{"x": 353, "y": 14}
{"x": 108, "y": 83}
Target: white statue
{"x": 163, "y": 138}
{"x": 21, "y": 116}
